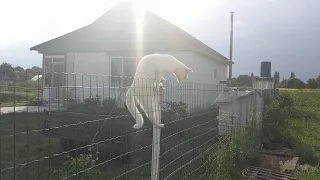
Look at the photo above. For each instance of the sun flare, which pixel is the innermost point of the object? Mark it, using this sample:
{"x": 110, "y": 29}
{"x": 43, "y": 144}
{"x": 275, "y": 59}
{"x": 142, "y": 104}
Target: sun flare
{"x": 139, "y": 15}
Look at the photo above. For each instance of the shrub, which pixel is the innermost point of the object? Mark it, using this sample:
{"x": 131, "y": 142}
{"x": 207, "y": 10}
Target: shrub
{"x": 73, "y": 166}
{"x": 312, "y": 84}
{"x": 295, "y": 83}
{"x": 236, "y": 152}
{"x": 109, "y": 103}
{"x": 92, "y": 103}
{"x": 10, "y": 96}
{"x": 274, "y": 127}
{"x": 312, "y": 173}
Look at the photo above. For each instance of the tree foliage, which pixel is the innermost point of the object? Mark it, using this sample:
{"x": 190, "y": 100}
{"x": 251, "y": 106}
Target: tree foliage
{"x": 242, "y": 80}
{"x": 318, "y": 81}
{"x": 18, "y": 73}
{"x": 295, "y": 83}
{"x": 283, "y": 83}
{"x": 312, "y": 84}
{"x": 277, "y": 78}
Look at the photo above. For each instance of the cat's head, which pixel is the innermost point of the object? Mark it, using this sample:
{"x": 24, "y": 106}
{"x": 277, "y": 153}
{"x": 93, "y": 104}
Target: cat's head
{"x": 182, "y": 73}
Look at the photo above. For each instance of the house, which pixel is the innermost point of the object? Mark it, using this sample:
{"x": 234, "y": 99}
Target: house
{"x": 4, "y": 76}
{"x": 111, "y": 47}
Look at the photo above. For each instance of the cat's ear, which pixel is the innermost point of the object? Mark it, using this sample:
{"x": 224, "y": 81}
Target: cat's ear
{"x": 188, "y": 70}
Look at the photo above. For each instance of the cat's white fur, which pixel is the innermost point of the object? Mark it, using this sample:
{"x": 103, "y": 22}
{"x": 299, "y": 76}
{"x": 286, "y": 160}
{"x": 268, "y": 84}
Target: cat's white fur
{"x": 148, "y": 79}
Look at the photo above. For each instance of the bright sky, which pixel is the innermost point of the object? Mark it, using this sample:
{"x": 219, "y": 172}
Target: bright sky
{"x": 283, "y": 32}
{"x": 41, "y": 20}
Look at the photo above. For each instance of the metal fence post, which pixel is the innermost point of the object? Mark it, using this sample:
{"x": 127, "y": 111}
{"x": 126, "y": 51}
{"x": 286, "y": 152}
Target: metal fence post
{"x": 234, "y": 100}
{"x": 255, "y": 103}
{"x": 156, "y": 139}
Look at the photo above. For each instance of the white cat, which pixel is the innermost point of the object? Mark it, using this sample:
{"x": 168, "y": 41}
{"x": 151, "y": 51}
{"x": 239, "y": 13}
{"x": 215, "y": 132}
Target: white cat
{"x": 148, "y": 79}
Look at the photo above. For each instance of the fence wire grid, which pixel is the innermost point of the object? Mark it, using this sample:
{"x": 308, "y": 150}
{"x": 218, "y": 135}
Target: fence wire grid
{"x": 77, "y": 126}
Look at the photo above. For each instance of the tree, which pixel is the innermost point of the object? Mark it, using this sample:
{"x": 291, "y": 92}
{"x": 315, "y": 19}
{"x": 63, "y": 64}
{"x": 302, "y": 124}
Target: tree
{"x": 36, "y": 69}
{"x": 295, "y": 83}
{"x": 277, "y": 78}
{"x": 8, "y": 70}
{"x": 234, "y": 82}
{"x": 283, "y": 83}
{"x": 244, "y": 80}
{"x": 292, "y": 75}
{"x": 18, "y": 68}
{"x": 318, "y": 81}
{"x": 6, "y": 67}
{"x": 312, "y": 84}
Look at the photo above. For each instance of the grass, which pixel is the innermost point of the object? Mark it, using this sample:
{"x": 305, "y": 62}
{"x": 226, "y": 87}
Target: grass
{"x": 18, "y": 92}
{"x": 236, "y": 152}
{"x": 309, "y": 174}
{"x": 20, "y": 152}
{"x": 304, "y": 125}
{"x": 11, "y": 104}
{"x": 304, "y": 129}
{"x": 18, "y": 148}
{"x": 21, "y": 98}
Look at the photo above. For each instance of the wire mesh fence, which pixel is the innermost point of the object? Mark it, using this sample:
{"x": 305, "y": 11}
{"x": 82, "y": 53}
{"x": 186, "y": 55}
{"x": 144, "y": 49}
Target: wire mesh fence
{"x": 77, "y": 126}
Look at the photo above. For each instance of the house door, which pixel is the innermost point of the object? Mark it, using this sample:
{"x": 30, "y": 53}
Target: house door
{"x": 54, "y": 77}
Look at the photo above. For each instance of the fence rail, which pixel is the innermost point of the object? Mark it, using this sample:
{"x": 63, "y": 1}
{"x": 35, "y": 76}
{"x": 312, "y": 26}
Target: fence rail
{"x": 81, "y": 129}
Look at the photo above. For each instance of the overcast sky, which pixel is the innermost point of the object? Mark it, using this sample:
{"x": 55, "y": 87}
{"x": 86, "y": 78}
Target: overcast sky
{"x": 285, "y": 32}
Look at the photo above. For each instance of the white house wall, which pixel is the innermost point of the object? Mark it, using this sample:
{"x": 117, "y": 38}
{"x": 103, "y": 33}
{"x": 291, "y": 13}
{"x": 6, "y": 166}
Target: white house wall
{"x": 88, "y": 73}
{"x": 198, "y": 91}
{"x": 201, "y": 88}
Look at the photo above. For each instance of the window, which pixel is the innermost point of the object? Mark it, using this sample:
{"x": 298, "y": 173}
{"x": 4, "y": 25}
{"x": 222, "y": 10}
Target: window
{"x": 123, "y": 70}
{"x": 129, "y": 68}
{"x": 215, "y": 73}
{"x": 116, "y": 71}
{"x": 47, "y": 71}
{"x": 54, "y": 66}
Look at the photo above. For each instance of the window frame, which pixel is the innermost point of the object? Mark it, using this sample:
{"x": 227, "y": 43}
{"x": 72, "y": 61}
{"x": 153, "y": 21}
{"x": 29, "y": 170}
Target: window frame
{"x": 215, "y": 73}
{"x": 51, "y": 66}
{"x": 111, "y": 85}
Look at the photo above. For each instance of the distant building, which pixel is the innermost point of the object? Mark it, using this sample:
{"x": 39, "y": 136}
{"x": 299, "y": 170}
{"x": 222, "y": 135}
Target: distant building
{"x": 4, "y": 76}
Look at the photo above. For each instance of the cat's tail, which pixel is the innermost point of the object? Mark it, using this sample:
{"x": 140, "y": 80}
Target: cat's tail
{"x": 131, "y": 105}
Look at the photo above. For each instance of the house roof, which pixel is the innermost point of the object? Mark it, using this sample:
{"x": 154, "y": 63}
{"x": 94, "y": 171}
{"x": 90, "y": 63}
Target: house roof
{"x": 116, "y": 31}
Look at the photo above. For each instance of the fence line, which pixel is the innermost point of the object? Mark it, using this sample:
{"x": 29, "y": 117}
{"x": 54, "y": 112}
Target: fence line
{"x": 73, "y": 127}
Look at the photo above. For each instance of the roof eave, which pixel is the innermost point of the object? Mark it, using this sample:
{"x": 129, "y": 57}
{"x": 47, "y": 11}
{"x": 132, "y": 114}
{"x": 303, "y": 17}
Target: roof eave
{"x": 34, "y": 48}
{"x": 216, "y": 57}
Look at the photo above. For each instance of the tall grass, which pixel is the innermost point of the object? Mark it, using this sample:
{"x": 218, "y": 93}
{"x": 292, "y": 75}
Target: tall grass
{"x": 293, "y": 120}
{"x": 235, "y": 152}
{"x": 309, "y": 174}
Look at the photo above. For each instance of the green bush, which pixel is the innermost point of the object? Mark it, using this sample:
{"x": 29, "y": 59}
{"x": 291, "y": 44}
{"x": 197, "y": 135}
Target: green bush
{"x": 80, "y": 168}
{"x": 312, "y": 173}
{"x": 292, "y": 120}
{"x": 109, "y": 103}
{"x": 236, "y": 152}
{"x": 92, "y": 103}
{"x": 312, "y": 84}
{"x": 17, "y": 96}
{"x": 295, "y": 83}
{"x": 275, "y": 122}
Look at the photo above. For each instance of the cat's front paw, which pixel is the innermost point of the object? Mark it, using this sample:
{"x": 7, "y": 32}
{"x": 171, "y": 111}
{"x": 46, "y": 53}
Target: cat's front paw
{"x": 137, "y": 126}
{"x": 160, "y": 126}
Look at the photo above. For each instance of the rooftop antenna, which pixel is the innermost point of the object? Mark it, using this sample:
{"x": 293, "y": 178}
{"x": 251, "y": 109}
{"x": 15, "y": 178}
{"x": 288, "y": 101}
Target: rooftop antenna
{"x": 231, "y": 46}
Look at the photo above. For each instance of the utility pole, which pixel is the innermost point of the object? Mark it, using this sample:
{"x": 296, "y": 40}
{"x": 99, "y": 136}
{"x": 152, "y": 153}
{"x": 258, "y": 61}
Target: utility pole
{"x": 231, "y": 46}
